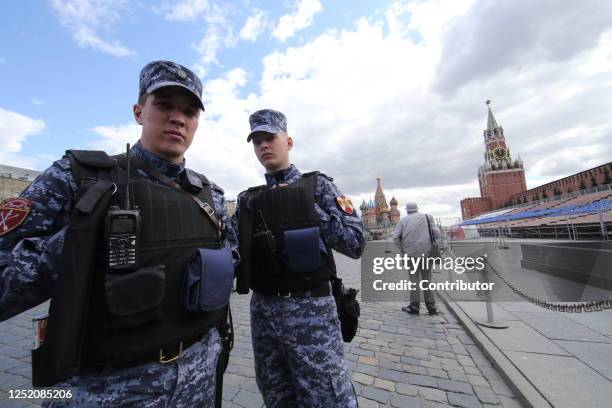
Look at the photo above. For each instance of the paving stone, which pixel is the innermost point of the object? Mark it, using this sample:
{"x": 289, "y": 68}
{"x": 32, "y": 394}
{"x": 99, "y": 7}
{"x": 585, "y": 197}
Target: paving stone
{"x": 367, "y": 403}
{"x": 384, "y": 384}
{"x": 472, "y": 370}
{"x": 248, "y": 399}
{"x": 229, "y": 392}
{"x": 366, "y": 369}
{"x": 463, "y": 400}
{"x": 433, "y": 394}
{"x": 456, "y": 386}
{"x": 363, "y": 378}
{"x": 477, "y": 380}
{"x": 368, "y": 360}
{"x": 457, "y": 376}
{"x": 486, "y": 396}
{"x": 397, "y": 376}
{"x": 501, "y": 388}
{"x": 423, "y": 380}
{"x": 414, "y": 369}
{"x": 402, "y": 401}
{"x": 407, "y": 389}
{"x": 391, "y": 365}
{"x": 376, "y": 394}
{"x": 437, "y": 373}
{"x": 434, "y": 404}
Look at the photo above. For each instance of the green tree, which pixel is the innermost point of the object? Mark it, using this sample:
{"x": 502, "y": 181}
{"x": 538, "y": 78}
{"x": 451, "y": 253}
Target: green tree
{"x": 544, "y": 195}
{"x": 606, "y": 176}
{"x": 581, "y": 186}
{"x": 593, "y": 181}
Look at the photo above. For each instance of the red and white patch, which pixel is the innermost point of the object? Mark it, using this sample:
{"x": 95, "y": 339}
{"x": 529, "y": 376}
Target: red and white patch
{"x": 13, "y": 211}
{"x": 345, "y": 204}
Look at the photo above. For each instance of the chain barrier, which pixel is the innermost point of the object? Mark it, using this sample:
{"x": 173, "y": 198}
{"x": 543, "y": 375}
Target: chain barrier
{"x": 593, "y": 306}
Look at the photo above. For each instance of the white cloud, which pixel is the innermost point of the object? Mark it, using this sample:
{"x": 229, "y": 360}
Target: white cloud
{"x": 219, "y": 34}
{"x": 186, "y": 10}
{"x": 2, "y": 60}
{"x": 255, "y": 25}
{"x": 37, "y": 101}
{"x": 303, "y": 16}
{"x": 366, "y": 102}
{"x": 86, "y": 18}
{"x": 15, "y": 128}
{"x": 114, "y": 138}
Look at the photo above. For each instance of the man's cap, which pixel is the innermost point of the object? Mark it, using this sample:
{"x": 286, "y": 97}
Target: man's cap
{"x": 158, "y": 74}
{"x": 267, "y": 120}
{"x": 412, "y": 207}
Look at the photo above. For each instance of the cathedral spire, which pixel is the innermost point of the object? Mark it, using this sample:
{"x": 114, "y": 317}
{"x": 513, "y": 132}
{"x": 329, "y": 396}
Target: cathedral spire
{"x": 491, "y": 122}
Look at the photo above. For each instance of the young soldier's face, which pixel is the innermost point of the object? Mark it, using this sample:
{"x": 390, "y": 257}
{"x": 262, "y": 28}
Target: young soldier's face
{"x": 169, "y": 119}
{"x": 272, "y": 150}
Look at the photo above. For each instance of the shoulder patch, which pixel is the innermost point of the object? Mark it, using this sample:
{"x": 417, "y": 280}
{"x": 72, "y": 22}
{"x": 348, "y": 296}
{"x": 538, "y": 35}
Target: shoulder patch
{"x": 13, "y": 211}
{"x": 345, "y": 204}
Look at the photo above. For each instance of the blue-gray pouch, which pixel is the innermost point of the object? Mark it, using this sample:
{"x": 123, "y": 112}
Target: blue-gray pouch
{"x": 302, "y": 249}
{"x": 207, "y": 284}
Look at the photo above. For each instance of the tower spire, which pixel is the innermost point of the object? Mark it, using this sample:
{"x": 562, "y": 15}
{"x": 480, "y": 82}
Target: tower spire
{"x": 491, "y": 122}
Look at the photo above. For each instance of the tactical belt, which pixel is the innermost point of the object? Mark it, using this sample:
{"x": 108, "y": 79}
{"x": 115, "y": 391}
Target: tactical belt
{"x": 320, "y": 291}
{"x": 165, "y": 355}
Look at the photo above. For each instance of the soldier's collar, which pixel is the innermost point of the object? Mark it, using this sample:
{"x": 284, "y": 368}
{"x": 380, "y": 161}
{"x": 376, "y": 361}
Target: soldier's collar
{"x": 168, "y": 169}
{"x": 288, "y": 175}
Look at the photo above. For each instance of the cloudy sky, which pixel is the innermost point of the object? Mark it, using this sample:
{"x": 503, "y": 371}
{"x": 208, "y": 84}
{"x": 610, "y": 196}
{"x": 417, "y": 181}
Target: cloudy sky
{"x": 394, "y": 89}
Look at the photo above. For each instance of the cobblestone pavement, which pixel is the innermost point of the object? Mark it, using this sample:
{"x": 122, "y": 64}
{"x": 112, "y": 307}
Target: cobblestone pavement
{"x": 396, "y": 360}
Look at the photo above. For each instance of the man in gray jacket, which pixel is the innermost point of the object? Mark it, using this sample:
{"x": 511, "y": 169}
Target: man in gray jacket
{"x": 412, "y": 237}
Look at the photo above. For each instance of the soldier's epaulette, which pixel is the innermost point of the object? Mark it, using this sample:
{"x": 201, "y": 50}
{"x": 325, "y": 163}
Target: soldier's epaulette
{"x": 310, "y": 173}
{"x": 93, "y": 158}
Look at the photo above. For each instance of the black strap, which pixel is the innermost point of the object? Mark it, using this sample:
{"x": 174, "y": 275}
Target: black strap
{"x": 93, "y": 194}
{"x": 431, "y": 238}
{"x": 205, "y": 207}
{"x": 226, "y": 331}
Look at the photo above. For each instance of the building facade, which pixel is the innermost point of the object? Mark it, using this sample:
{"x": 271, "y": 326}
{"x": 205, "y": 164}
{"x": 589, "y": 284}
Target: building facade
{"x": 500, "y": 177}
{"x": 13, "y": 180}
{"x": 502, "y": 180}
{"x": 378, "y": 217}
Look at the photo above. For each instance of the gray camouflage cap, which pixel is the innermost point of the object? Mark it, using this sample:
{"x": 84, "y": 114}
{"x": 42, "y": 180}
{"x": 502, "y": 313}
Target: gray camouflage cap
{"x": 267, "y": 120}
{"x": 158, "y": 74}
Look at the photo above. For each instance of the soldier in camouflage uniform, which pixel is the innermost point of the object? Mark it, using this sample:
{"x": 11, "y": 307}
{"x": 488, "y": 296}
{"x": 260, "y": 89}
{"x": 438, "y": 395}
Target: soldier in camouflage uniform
{"x": 297, "y": 343}
{"x": 32, "y": 242}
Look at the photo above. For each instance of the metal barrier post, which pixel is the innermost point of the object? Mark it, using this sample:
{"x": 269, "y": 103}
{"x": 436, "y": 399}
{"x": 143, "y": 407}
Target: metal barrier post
{"x": 490, "y": 322}
{"x": 602, "y": 224}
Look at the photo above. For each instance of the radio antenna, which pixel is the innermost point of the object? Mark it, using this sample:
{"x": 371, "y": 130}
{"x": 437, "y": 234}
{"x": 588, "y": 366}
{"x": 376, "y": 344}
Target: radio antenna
{"x": 127, "y": 185}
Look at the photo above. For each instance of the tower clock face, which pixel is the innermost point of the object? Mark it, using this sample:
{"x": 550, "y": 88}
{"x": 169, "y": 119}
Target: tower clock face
{"x": 500, "y": 153}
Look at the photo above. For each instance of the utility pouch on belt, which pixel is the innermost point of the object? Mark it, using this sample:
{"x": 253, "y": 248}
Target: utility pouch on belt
{"x": 207, "y": 284}
{"x": 348, "y": 308}
{"x": 302, "y": 249}
{"x": 134, "y": 298}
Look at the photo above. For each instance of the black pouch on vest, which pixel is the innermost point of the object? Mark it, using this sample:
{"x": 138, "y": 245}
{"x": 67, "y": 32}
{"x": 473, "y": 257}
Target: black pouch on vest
{"x": 302, "y": 250}
{"x": 348, "y": 309}
{"x": 207, "y": 284}
{"x": 134, "y": 298}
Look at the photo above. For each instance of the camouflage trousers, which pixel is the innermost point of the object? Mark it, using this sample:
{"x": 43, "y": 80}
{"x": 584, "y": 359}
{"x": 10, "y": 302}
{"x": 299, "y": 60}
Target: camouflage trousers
{"x": 299, "y": 354}
{"x": 188, "y": 382}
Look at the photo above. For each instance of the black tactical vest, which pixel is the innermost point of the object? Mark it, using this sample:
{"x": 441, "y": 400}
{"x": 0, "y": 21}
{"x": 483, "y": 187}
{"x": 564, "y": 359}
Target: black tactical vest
{"x": 91, "y": 327}
{"x": 270, "y": 218}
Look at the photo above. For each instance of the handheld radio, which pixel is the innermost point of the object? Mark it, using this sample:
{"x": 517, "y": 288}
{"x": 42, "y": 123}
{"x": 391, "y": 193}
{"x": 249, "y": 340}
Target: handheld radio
{"x": 123, "y": 231}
